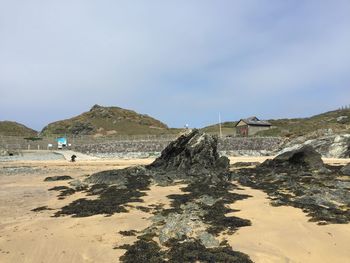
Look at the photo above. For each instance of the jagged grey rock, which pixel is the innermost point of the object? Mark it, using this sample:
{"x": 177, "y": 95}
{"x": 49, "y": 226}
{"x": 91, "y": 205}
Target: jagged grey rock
{"x": 304, "y": 157}
{"x": 191, "y": 155}
{"x": 342, "y": 119}
{"x": 78, "y": 185}
{"x": 3, "y": 152}
{"x": 208, "y": 240}
{"x": 117, "y": 177}
{"x": 346, "y": 169}
{"x": 331, "y": 146}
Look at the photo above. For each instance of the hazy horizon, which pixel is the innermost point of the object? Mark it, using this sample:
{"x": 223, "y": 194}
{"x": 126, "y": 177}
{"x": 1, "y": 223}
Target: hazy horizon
{"x": 179, "y": 62}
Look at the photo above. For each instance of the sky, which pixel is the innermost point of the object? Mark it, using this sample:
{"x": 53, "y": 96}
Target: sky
{"x": 180, "y": 61}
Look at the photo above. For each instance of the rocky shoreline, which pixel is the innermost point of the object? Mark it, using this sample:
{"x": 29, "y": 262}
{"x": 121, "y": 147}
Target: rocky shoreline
{"x": 300, "y": 179}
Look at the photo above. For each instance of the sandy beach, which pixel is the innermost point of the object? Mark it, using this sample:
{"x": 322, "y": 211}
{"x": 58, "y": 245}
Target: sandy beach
{"x": 277, "y": 234}
{"x": 283, "y": 234}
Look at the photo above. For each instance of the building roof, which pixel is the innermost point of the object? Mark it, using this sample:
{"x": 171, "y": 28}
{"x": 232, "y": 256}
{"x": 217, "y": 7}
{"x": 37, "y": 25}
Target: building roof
{"x": 254, "y": 121}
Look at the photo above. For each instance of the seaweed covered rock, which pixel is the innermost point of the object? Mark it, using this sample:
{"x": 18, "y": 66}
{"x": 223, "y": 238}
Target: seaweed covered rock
{"x": 57, "y": 178}
{"x": 192, "y": 153}
{"x": 300, "y": 179}
{"x": 330, "y": 146}
{"x": 303, "y": 158}
{"x": 117, "y": 177}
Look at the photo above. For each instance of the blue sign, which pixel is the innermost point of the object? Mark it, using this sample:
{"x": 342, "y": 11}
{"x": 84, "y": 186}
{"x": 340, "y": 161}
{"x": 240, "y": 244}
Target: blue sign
{"x": 62, "y": 140}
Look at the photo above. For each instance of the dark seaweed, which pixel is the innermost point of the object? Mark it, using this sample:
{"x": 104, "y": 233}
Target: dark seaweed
{"x": 57, "y": 178}
{"x": 111, "y": 198}
{"x": 191, "y": 250}
{"x": 215, "y": 215}
{"x": 194, "y": 251}
{"x": 322, "y": 195}
{"x": 144, "y": 250}
{"x": 144, "y": 209}
{"x": 41, "y": 208}
{"x": 128, "y": 233}
{"x": 64, "y": 191}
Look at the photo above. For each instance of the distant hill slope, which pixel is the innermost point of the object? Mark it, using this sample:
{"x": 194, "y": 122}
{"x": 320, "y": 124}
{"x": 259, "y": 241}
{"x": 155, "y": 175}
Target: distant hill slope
{"x": 11, "y": 128}
{"x": 104, "y": 121}
{"x": 338, "y": 121}
{"x": 227, "y": 128}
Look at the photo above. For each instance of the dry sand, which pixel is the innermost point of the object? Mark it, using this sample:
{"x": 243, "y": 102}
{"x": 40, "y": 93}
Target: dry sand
{"x": 26, "y": 236}
{"x": 277, "y": 234}
{"x": 283, "y": 234}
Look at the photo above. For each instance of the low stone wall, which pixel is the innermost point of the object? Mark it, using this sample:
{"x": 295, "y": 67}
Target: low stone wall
{"x": 229, "y": 145}
{"x": 122, "y": 147}
{"x": 249, "y": 143}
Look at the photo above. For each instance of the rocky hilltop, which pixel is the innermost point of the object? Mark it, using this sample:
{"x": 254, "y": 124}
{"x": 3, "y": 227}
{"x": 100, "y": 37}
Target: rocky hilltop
{"x": 104, "y": 121}
{"x": 11, "y": 128}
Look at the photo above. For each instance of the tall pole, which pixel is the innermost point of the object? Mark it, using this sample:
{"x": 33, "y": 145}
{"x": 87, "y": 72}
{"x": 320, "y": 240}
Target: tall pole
{"x": 220, "y": 125}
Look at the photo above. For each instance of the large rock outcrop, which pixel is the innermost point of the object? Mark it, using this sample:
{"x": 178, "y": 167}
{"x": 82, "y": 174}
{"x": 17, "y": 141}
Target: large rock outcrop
{"x": 331, "y": 146}
{"x": 302, "y": 158}
{"x": 192, "y": 155}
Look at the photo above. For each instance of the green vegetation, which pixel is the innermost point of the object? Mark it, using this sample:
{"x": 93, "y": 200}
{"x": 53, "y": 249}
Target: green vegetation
{"x": 298, "y": 127}
{"x": 108, "y": 121}
{"x": 11, "y": 128}
{"x": 227, "y": 128}
{"x": 33, "y": 139}
{"x": 338, "y": 121}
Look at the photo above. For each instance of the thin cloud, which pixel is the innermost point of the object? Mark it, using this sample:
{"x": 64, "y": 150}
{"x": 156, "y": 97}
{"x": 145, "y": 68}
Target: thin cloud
{"x": 180, "y": 61}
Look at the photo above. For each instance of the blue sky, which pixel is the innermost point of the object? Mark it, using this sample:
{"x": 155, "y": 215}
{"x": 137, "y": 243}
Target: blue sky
{"x": 180, "y": 61}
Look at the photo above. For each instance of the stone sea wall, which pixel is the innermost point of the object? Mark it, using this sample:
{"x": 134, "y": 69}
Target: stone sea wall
{"x": 228, "y": 145}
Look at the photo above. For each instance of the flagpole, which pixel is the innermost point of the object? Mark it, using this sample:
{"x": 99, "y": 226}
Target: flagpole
{"x": 220, "y": 125}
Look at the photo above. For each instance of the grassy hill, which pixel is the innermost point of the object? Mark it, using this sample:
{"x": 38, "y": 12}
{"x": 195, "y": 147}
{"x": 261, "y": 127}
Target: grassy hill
{"x": 108, "y": 121}
{"x": 227, "y": 128}
{"x": 338, "y": 121}
{"x": 11, "y": 128}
